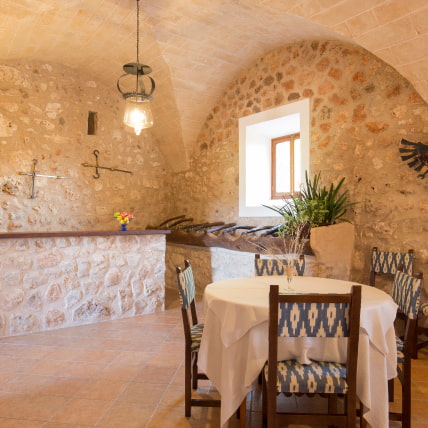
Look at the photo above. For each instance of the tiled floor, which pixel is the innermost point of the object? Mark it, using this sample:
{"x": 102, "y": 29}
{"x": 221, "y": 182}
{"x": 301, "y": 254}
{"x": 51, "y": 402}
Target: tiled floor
{"x": 120, "y": 374}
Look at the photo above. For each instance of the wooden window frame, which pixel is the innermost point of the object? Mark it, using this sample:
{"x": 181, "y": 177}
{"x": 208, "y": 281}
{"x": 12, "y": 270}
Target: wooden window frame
{"x": 274, "y": 141}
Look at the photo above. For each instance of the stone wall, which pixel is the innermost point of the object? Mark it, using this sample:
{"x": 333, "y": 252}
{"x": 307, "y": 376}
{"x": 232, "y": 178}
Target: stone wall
{"x": 48, "y": 283}
{"x": 361, "y": 108}
{"x": 44, "y": 110}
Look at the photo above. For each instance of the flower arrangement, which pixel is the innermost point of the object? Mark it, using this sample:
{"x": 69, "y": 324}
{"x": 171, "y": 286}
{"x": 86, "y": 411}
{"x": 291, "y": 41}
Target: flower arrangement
{"x": 123, "y": 217}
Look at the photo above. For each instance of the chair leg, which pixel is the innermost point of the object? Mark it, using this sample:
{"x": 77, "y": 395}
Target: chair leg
{"x": 243, "y": 413}
{"x": 332, "y": 406}
{"x": 195, "y": 371}
{"x": 391, "y": 390}
{"x": 264, "y": 401}
{"x": 351, "y": 410}
{"x": 415, "y": 342}
{"x": 188, "y": 384}
{"x": 406, "y": 403}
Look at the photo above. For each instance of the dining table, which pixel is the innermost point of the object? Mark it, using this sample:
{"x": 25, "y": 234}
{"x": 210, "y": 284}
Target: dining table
{"x": 234, "y": 345}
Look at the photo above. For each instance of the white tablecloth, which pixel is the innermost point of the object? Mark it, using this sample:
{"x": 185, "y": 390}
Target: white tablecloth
{"x": 234, "y": 344}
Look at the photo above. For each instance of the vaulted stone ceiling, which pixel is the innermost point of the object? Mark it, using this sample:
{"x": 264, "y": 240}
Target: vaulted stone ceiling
{"x": 197, "y": 47}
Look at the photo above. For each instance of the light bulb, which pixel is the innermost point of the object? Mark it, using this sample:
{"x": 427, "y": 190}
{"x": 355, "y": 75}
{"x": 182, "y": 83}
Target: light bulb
{"x": 138, "y": 114}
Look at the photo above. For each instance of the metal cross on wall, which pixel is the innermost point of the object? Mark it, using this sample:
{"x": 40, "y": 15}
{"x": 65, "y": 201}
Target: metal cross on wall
{"x": 34, "y": 174}
{"x": 97, "y": 166}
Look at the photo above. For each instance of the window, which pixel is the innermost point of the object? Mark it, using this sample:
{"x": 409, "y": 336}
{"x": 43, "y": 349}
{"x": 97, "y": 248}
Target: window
{"x": 256, "y": 133}
{"x": 285, "y": 168}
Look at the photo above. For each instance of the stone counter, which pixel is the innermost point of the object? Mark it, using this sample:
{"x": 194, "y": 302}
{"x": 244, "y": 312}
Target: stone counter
{"x": 60, "y": 279}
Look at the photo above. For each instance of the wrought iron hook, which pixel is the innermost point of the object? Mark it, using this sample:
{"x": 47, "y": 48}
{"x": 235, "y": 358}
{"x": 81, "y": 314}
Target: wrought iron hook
{"x": 97, "y": 174}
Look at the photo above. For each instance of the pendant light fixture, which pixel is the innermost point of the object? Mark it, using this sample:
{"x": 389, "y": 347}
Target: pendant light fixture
{"x": 138, "y": 114}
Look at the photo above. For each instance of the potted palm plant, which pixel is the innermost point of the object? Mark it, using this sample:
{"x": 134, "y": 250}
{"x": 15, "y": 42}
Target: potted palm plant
{"x": 315, "y": 205}
{"x": 322, "y": 209}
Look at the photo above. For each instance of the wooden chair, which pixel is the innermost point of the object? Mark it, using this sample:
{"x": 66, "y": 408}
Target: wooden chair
{"x": 269, "y": 266}
{"x": 308, "y": 315}
{"x": 387, "y": 263}
{"x": 192, "y": 335}
{"x": 406, "y": 292}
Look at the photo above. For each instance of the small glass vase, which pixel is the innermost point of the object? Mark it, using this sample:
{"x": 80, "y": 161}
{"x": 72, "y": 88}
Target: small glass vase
{"x": 290, "y": 271}
{"x": 124, "y": 227}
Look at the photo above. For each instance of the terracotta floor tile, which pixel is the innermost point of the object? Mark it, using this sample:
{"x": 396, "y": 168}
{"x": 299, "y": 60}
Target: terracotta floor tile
{"x": 178, "y": 379}
{"x": 172, "y": 348}
{"x": 6, "y": 377}
{"x": 129, "y": 415}
{"x": 63, "y": 386}
{"x": 10, "y": 350}
{"x": 173, "y": 417}
{"x": 102, "y": 389}
{"x": 82, "y": 411}
{"x": 173, "y": 397}
{"x": 59, "y": 425}
{"x": 143, "y": 393}
{"x": 84, "y": 370}
{"x": 8, "y": 401}
{"x": 64, "y": 354}
{"x": 36, "y": 352}
{"x": 25, "y": 384}
{"x": 48, "y": 367}
{"x": 167, "y": 360}
{"x": 420, "y": 388}
{"x": 132, "y": 358}
{"x": 156, "y": 374}
{"x": 37, "y": 407}
{"x": 97, "y": 356}
{"x": 16, "y": 423}
{"x": 16, "y": 365}
{"x": 119, "y": 372}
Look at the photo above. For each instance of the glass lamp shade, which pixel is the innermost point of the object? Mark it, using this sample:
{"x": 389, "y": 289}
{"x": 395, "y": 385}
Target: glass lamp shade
{"x": 138, "y": 114}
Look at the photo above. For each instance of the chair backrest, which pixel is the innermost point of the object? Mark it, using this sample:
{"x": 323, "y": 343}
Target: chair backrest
{"x": 186, "y": 284}
{"x": 187, "y": 292}
{"x": 269, "y": 266}
{"x": 315, "y": 315}
{"x": 387, "y": 262}
{"x": 406, "y": 291}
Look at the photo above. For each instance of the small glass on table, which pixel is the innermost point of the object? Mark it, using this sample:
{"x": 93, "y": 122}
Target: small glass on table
{"x": 290, "y": 271}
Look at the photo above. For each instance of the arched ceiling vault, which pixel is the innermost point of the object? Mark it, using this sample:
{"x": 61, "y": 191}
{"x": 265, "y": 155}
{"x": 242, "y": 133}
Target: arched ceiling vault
{"x": 197, "y": 47}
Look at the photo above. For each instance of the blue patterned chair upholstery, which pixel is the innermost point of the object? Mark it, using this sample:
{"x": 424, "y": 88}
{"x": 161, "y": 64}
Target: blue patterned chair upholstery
{"x": 192, "y": 334}
{"x": 267, "y": 266}
{"x": 406, "y": 292}
{"x": 387, "y": 263}
{"x": 312, "y": 315}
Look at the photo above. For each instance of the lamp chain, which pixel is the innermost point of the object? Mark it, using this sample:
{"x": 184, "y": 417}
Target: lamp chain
{"x": 138, "y": 31}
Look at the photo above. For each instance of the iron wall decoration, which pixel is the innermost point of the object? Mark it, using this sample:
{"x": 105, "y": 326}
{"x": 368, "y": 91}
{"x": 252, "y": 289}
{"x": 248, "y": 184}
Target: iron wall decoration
{"x": 417, "y": 155}
{"x": 97, "y": 166}
{"x": 34, "y": 174}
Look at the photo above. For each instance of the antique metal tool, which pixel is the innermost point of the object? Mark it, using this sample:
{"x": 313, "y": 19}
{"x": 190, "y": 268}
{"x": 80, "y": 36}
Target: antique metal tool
{"x": 97, "y": 166}
{"x": 34, "y": 174}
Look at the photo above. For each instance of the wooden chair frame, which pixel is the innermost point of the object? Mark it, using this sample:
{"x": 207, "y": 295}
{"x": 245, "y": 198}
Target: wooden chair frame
{"x": 191, "y": 372}
{"x": 405, "y": 370}
{"x": 348, "y": 418}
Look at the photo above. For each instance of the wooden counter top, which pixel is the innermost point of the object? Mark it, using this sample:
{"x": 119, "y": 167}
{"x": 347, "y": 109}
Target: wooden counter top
{"x": 19, "y": 235}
